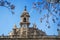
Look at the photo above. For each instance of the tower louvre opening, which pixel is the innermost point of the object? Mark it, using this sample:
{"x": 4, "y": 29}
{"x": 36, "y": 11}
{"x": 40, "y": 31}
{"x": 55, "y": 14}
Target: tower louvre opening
{"x": 24, "y": 20}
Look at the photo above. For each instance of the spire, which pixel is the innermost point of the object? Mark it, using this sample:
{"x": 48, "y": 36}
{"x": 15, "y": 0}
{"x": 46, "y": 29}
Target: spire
{"x": 15, "y": 26}
{"x": 34, "y": 25}
{"x": 25, "y": 8}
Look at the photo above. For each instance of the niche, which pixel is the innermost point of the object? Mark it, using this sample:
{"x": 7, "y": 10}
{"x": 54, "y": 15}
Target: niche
{"x": 24, "y": 20}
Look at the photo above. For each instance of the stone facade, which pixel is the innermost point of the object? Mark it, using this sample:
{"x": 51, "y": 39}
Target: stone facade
{"x": 27, "y": 33}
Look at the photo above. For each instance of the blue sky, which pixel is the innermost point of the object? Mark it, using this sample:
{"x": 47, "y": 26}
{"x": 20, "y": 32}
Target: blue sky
{"x": 7, "y": 20}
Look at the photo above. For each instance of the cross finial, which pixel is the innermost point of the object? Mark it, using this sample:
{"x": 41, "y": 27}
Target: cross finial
{"x": 25, "y": 8}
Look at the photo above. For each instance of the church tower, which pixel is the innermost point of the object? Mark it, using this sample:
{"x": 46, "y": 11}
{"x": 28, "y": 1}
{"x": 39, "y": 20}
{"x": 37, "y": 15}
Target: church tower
{"x": 25, "y": 19}
{"x": 24, "y": 23}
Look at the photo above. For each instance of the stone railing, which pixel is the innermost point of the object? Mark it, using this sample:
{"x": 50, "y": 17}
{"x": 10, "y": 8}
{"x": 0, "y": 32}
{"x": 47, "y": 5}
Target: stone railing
{"x": 29, "y": 38}
{"x": 38, "y": 38}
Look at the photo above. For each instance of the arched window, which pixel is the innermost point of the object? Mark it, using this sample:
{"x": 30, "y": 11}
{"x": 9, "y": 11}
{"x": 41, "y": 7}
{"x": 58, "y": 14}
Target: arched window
{"x": 24, "y": 20}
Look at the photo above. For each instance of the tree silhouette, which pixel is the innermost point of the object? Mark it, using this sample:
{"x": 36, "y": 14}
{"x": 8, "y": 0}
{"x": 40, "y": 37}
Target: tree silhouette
{"x": 53, "y": 9}
{"x": 8, "y": 5}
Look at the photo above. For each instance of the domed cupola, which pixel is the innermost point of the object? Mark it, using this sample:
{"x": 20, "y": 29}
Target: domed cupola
{"x": 25, "y": 13}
